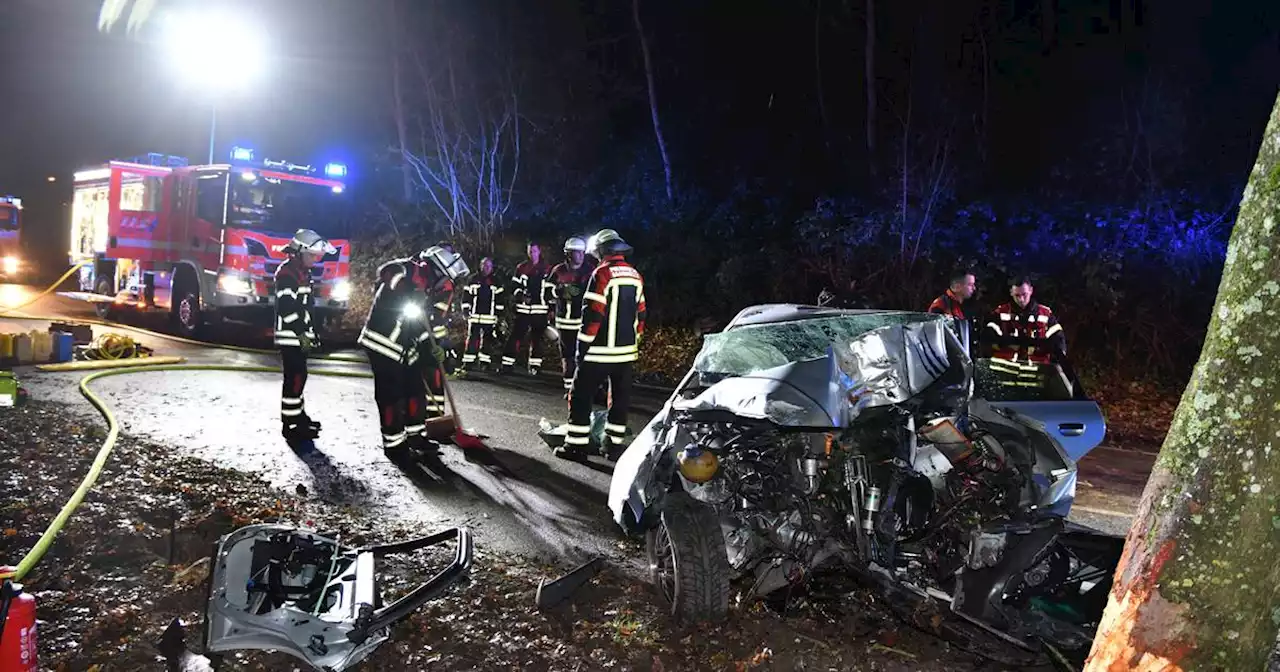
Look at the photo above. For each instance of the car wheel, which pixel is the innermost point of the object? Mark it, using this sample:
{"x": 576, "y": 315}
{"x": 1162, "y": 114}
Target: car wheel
{"x": 104, "y": 311}
{"x": 688, "y": 563}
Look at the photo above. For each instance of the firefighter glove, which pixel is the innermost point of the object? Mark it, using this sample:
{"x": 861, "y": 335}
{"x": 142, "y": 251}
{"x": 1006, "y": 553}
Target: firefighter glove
{"x": 306, "y": 343}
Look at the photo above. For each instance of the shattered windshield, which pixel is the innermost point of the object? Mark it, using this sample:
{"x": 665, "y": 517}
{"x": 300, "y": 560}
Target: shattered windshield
{"x": 746, "y": 350}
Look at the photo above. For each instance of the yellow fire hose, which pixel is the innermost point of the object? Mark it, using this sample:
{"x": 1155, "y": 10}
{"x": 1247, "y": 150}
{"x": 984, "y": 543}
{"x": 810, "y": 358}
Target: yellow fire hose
{"x": 113, "y": 427}
{"x": 113, "y": 433}
{"x": 46, "y": 292}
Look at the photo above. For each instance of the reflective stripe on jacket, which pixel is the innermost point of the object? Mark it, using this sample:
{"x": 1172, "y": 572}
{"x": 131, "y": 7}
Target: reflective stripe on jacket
{"x": 614, "y": 313}
{"x": 293, "y": 304}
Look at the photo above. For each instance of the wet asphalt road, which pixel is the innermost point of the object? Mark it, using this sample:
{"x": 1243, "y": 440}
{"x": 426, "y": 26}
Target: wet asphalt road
{"x": 545, "y": 507}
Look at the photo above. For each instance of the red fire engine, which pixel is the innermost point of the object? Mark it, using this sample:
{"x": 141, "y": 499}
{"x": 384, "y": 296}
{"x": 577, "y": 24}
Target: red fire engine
{"x": 11, "y": 262}
{"x": 199, "y": 241}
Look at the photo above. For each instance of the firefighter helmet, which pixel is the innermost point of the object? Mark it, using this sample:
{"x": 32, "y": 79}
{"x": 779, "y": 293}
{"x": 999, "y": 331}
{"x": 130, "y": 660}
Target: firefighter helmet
{"x": 447, "y": 264}
{"x": 306, "y": 240}
{"x": 606, "y": 242}
{"x": 575, "y": 244}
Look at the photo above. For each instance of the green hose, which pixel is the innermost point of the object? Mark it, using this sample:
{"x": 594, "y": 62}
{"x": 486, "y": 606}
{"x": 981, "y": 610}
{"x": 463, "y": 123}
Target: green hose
{"x": 113, "y": 433}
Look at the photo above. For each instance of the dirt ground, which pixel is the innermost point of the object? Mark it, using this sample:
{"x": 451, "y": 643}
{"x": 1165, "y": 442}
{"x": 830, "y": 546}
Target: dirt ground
{"x": 130, "y": 561}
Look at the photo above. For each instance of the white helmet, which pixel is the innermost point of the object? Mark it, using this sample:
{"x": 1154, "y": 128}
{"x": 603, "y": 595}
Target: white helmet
{"x": 607, "y": 241}
{"x": 575, "y": 244}
{"x": 306, "y": 240}
{"x": 448, "y": 264}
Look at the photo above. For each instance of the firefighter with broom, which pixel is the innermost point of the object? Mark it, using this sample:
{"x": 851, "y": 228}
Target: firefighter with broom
{"x": 396, "y": 335}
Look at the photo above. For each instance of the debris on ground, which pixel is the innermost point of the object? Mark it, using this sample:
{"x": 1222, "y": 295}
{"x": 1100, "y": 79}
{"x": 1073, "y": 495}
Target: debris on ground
{"x": 135, "y": 556}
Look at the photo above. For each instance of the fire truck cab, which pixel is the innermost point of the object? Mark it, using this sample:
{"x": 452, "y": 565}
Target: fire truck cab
{"x": 200, "y": 242}
{"x": 11, "y": 261}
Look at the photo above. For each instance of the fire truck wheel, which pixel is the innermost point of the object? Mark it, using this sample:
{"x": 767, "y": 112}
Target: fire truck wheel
{"x": 186, "y": 311}
{"x": 103, "y": 310}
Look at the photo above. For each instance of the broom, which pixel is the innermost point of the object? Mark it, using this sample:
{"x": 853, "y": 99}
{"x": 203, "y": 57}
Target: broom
{"x": 448, "y": 427}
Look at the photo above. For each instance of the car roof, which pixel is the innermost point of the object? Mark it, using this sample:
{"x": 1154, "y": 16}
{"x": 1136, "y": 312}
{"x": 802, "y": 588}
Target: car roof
{"x": 772, "y": 313}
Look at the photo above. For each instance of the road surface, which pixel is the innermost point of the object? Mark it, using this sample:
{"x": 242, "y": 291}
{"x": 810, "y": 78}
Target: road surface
{"x": 551, "y": 508}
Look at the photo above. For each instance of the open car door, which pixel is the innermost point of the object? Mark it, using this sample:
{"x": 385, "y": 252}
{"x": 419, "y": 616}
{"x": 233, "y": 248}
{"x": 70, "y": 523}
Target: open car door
{"x": 1043, "y": 393}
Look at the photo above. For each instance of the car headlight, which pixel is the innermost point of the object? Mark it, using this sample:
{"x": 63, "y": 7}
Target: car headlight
{"x": 234, "y": 284}
{"x": 341, "y": 291}
{"x": 10, "y": 265}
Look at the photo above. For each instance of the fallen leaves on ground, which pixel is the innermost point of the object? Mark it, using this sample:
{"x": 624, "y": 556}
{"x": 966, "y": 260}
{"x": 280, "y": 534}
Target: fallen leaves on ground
{"x": 135, "y": 555}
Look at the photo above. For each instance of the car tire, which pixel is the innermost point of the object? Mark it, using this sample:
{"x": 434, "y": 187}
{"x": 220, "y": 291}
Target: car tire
{"x": 688, "y": 562}
{"x": 104, "y": 311}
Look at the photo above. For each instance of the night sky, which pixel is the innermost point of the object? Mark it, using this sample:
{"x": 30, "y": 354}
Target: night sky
{"x": 75, "y": 97}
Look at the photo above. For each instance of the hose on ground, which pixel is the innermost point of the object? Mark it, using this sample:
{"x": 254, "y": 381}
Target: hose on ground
{"x": 46, "y": 292}
{"x": 113, "y": 434}
{"x": 115, "y": 346}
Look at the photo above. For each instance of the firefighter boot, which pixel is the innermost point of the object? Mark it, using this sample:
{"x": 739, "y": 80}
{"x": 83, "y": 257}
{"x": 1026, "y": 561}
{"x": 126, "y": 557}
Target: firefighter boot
{"x": 299, "y": 432}
{"x": 423, "y": 448}
{"x": 306, "y": 421}
{"x": 401, "y": 456}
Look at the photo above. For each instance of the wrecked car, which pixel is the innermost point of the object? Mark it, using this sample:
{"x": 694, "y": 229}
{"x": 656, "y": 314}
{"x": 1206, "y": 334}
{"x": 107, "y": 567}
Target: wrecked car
{"x": 807, "y": 438}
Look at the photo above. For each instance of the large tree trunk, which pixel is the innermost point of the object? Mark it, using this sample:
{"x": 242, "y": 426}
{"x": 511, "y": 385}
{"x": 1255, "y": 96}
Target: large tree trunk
{"x": 1198, "y": 586}
{"x": 653, "y": 98}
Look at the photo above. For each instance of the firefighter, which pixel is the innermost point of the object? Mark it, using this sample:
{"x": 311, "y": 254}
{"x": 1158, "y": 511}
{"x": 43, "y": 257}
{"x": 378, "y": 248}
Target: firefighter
{"x": 962, "y": 286}
{"x": 294, "y": 333}
{"x": 570, "y": 279}
{"x": 1025, "y": 330}
{"x": 481, "y": 305}
{"x": 609, "y": 344}
{"x": 1023, "y": 336}
{"x": 394, "y": 335}
{"x": 533, "y": 295}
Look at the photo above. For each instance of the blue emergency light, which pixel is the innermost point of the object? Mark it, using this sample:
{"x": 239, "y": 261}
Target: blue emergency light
{"x": 335, "y": 170}
{"x": 241, "y": 154}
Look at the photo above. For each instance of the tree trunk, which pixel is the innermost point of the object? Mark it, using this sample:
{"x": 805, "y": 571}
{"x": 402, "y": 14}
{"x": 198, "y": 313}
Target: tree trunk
{"x": 869, "y": 65}
{"x": 398, "y": 102}
{"x": 1198, "y": 585}
{"x": 653, "y": 98}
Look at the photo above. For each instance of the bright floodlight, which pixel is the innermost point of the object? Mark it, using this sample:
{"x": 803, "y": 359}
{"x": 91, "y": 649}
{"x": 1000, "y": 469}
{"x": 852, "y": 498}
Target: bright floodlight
{"x": 241, "y": 154}
{"x": 335, "y": 170}
{"x": 214, "y": 49}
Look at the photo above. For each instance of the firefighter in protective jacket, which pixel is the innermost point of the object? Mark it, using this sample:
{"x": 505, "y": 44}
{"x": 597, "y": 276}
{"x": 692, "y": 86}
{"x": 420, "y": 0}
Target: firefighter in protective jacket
{"x": 570, "y": 280}
{"x": 532, "y": 294}
{"x": 397, "y": 334}
{"x": 295, "y": 335}
{"x": 481, "y": 304}
{"x": 608, "y": 344}
{"x": 1025, "y": 330}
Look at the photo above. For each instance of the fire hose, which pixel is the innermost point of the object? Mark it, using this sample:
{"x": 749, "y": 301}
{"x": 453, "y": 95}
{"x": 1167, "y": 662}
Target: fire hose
{"x": 113, "y": 427}
{"x": 115, "y": 346}
{"x": 113, "y": 433}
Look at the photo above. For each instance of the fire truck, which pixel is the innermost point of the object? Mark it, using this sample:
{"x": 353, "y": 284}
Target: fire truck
{"x": 11, "y": 262}
{"x": 200, "y": 242}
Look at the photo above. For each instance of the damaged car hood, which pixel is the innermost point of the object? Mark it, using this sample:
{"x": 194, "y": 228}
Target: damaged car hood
{"x": 822, "y": 373}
